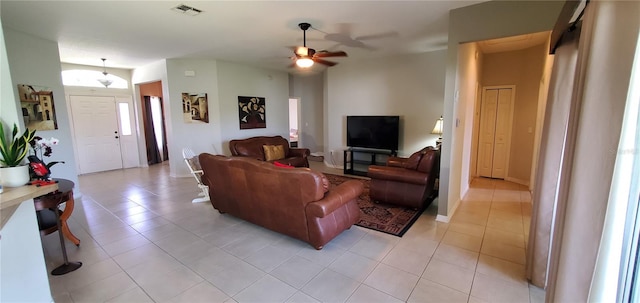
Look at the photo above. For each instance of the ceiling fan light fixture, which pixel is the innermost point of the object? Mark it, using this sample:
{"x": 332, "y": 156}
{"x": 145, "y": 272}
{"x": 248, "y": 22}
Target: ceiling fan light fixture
{"x": 304, "y": 62}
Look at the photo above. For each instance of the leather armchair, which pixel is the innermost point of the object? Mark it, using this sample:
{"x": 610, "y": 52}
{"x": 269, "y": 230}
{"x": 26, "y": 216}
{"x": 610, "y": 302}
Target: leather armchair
{"x": 406, "y": 181}
{"x": 253, "y": 147}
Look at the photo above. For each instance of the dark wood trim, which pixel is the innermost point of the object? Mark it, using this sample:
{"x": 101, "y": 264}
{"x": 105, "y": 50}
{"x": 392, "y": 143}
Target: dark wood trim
{"x": 563, "y": 23}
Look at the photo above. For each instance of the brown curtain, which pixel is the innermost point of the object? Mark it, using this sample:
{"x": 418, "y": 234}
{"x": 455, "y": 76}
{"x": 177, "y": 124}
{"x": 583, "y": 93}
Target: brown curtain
{"x": 153, "y": 153}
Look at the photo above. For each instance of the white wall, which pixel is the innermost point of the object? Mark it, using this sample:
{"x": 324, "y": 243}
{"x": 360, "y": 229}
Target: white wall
{"x": 469, "y": 70}
{"x": 223, "y": 82}
{"x": 487, "y": 20}
{"x": 241, "y": 80}
{"x": 24, "y": 272}
{"x": 410, "y": 86}
{"x": 36, "y": 61}
{"x": 9, "y": 113}
{"x": 198, "y": 136}
{"x": 310, "y": 90}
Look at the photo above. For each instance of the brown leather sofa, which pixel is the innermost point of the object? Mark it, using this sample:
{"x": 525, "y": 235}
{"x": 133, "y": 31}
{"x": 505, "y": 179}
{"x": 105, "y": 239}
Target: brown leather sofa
{"x": 253, "y": 147}
{"x": 291, "y": 201}
{"x": 406, "y": 181}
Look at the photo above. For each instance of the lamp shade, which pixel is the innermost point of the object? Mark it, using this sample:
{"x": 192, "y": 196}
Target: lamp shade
{"x": 105, "y": 82}
{"x": 437, "y": 129}
{"x": 304, "y": 62}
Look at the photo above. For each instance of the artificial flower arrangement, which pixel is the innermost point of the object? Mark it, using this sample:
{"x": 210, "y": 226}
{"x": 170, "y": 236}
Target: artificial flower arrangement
{"x": 44, "y": 148}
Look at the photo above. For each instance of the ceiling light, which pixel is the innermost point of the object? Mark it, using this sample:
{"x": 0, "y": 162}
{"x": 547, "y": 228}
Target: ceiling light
{"x": 304, "y": 62}
{"x": 106, "y": 82}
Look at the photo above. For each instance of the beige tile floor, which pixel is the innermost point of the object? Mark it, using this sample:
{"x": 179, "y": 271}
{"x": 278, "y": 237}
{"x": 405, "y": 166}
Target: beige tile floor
{"x": 144, "y": 241}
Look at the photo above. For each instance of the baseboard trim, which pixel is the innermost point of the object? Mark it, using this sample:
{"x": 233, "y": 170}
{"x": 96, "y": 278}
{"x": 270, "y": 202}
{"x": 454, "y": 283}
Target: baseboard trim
{"x": 447, "y": 218}
{"x": 332, "y": 166}
{"x": 441, "y": 218}
{"x": 514, "y": 180}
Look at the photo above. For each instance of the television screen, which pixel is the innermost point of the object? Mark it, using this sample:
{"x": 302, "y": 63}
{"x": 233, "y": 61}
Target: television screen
{"x": 379, "y": 132}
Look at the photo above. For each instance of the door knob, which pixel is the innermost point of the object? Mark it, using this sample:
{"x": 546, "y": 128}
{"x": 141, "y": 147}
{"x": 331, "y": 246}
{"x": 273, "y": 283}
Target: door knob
{"x": 117, "y": 137}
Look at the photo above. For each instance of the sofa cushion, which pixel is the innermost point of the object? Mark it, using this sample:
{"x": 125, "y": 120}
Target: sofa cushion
{"x": 414, "y": 160}
{"x": 429, "y": 162}
{"x": 273, "y": 152}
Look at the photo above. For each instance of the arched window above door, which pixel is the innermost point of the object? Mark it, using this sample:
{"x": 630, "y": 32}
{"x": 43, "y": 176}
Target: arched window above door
{"x": 89, "y": 78}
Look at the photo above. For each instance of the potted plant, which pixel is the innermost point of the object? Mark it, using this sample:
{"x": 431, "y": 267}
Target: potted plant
{"x": 13, "y": 150}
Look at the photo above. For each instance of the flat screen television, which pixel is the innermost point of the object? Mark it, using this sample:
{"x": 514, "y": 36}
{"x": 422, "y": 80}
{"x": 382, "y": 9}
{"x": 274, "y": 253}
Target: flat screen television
{"x": 377, "y": 132}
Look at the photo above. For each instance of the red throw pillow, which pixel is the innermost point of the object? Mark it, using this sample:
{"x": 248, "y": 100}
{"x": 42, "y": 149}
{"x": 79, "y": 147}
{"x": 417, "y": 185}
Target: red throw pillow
{"x": 278, "y": 164}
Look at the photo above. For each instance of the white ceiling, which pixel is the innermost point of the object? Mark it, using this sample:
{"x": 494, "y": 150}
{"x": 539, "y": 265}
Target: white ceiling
{"x": 131, "y": 34}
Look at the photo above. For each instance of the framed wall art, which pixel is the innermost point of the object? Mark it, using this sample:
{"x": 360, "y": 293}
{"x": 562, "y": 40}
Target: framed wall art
{"x": 38, "y": 110}
{"x": 252, "y": 112}
{"x": 195, "y": 108}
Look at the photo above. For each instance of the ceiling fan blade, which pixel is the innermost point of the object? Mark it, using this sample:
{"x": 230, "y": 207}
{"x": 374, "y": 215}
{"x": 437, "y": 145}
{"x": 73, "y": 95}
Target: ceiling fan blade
{"x": 323, "y": 54}
{"x": 377, "y": 36}
{"x": 325, "y": 62}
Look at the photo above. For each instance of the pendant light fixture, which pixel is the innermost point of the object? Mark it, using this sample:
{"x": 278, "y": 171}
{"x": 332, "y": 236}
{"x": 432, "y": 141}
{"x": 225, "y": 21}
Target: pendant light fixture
{"x": 106, "y": 82}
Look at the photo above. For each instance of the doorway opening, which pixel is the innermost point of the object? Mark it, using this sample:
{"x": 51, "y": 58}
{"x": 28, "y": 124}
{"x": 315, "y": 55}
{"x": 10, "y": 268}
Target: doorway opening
{"x": 154, "y": 130}
{"x": 294, "y": 122}
{"x": 494, "y": 143}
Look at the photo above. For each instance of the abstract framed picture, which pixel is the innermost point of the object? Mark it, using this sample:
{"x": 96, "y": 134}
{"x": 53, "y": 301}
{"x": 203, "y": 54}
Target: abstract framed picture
{"x": 38, "y": 110}
{"x": 252, "y": 112}
{"x": 195, "y": 108}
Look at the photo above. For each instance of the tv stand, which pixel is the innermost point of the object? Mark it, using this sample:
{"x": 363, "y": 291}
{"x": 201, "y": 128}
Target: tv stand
{"x": 356, "y": 161}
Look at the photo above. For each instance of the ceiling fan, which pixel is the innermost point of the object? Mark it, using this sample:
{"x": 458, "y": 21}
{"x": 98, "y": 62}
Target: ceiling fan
{"x": 305, "y": 57}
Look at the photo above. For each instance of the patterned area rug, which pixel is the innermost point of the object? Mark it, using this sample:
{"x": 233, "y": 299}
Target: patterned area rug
{"x": 391, "y": 219}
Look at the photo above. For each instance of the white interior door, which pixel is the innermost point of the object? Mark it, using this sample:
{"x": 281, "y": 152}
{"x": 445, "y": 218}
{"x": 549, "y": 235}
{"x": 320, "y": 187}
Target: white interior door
{"x": 495, "y": 132}
{"x": 96, "y": 133}
{"x": 502, "y": 134}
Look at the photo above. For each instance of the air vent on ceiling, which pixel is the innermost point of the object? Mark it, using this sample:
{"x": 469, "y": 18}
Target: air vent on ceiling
{"x": 187, "y": 10}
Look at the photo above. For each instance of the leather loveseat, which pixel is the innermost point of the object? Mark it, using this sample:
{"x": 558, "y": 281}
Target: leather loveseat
{"x": 254, "y": 147}
{"x": 406, "y": 181}
{"x": 291, "y": 201}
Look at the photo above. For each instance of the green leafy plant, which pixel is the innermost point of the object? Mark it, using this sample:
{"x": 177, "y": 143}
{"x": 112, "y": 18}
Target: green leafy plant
{"x": 13, "y": 149}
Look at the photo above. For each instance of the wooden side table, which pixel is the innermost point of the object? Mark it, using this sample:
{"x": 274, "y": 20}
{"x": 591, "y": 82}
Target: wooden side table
{"x": 45, "y": 205}
{"x": 51, "y": 218}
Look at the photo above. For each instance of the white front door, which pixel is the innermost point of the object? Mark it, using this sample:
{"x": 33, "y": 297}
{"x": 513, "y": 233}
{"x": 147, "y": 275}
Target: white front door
{"x": 495, "y": 132}
{"x": 96, "y": 133}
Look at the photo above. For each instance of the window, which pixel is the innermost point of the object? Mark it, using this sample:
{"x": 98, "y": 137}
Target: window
{"x": 125, "y": 119}
{"x": 89, "y": 78}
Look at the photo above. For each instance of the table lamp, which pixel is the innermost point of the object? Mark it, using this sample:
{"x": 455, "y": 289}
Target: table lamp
{"x": 437, "y": 130}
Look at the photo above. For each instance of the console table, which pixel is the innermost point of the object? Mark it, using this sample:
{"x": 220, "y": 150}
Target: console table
{"x": 24, "y": 273}
{"x": 358, "y": 166}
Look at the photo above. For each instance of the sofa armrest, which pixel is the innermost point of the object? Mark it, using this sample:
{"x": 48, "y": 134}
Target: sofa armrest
{"x": 396, "y": 161}
{"x": 336, "y": 198}
{"x": 299, "y": 152}
{"x": 397, "y": 174}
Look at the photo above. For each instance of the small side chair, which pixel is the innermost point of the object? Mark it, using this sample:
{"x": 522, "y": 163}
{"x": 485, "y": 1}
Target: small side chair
{"x": 194, "y": 166}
